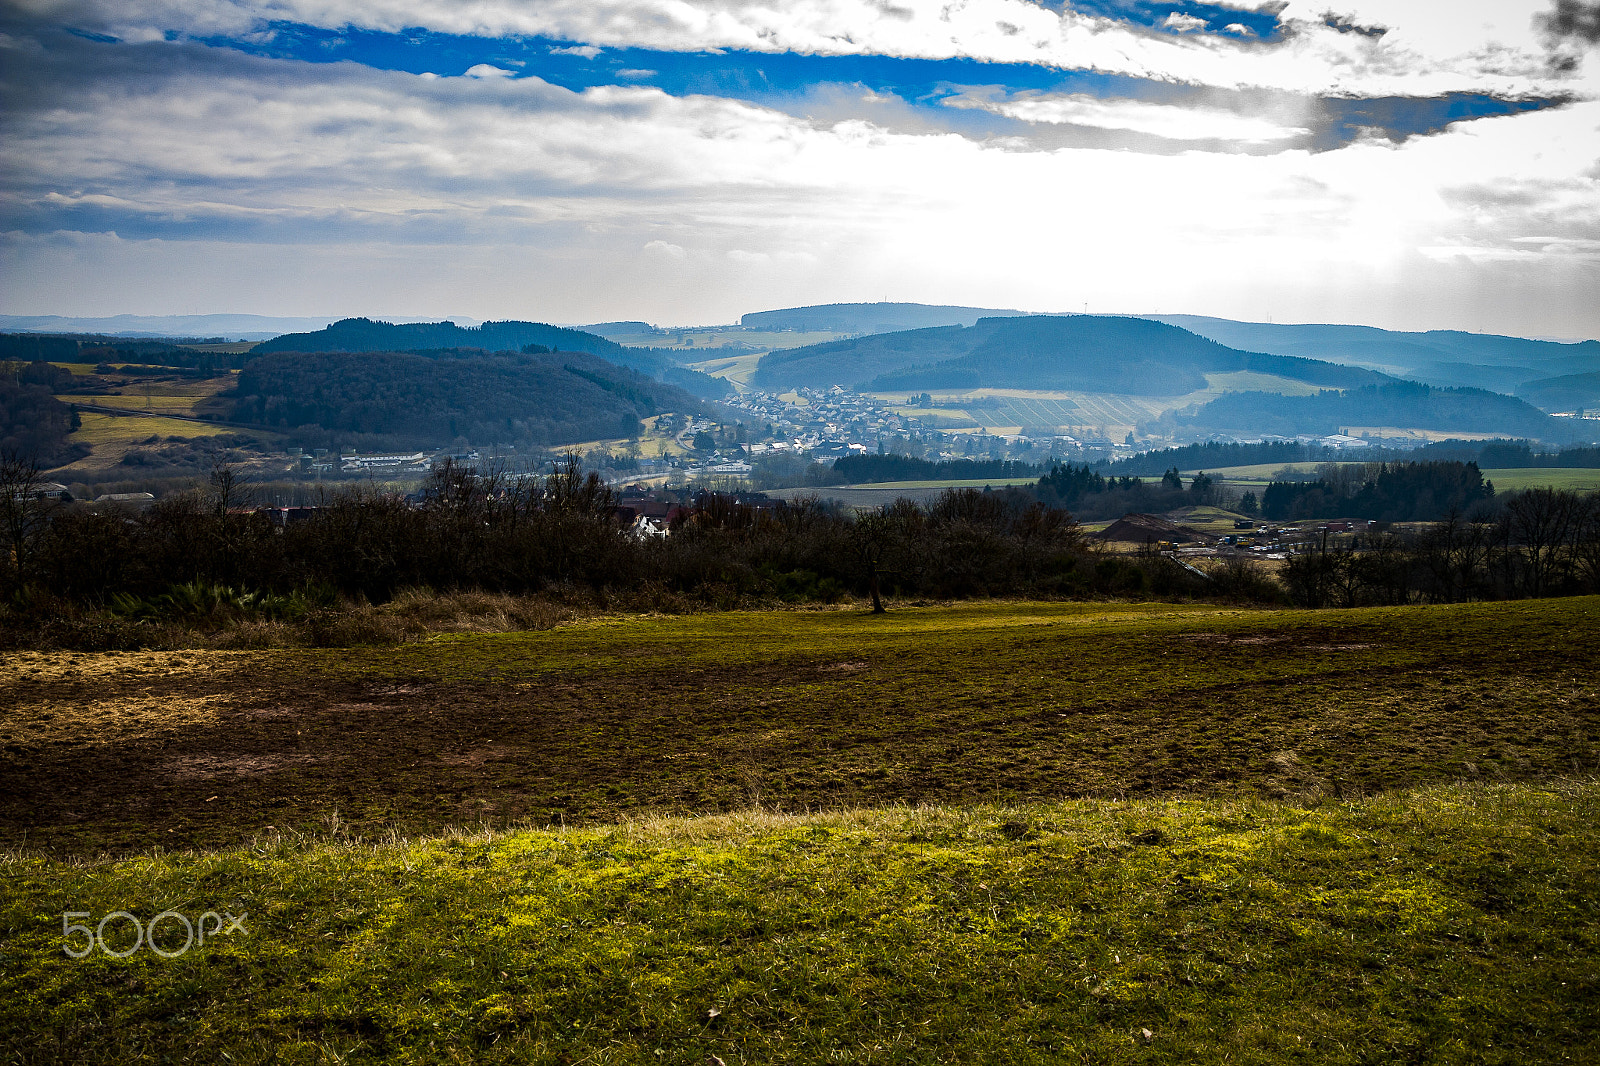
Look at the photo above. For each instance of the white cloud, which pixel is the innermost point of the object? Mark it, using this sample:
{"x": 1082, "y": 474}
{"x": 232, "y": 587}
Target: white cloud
{"x": 1183, "y": 23}
{"x": 587, "y": 51}
{"x": 627, "y": 202}
{"x": 484, "y": 70}
{"x": 1161, "y": 120}
{"x": 1475, "y": 45}
{"x": 666, "y": 248}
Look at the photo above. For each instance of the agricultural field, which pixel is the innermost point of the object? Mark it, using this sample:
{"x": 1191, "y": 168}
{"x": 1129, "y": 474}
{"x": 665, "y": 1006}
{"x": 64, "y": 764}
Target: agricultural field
{"x": 105, "y": 429}
{"x": 1022, "y": 410}
{"x": 735, "y": 368}
{"x": 1580, "y": 479}
{"x": 1243, "y": 836}
{"x": 797, "y": 709}
{"x": 111, "y": 436}
{"x": 875, "y": 495}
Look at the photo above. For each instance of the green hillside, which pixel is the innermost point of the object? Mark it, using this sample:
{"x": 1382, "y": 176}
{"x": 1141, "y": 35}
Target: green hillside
{"x": 365, "y": 335}
{"x": 1077, "y": 352}
{"x": 1570, "y": 392}
{"x": 1448, "y": 358}
{"x": 1400, "y": 403}
{"x": 426, "y": 398}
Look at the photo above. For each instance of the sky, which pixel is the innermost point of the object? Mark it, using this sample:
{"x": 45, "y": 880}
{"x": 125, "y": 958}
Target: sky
{"x": 1411, "y": 164}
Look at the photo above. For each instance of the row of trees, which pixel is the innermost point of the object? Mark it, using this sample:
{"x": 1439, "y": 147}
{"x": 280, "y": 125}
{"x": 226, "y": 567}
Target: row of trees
{"x": 488, "y": 531}
{"x": 529, "y": 534}
{"x": 1543, "y": 542}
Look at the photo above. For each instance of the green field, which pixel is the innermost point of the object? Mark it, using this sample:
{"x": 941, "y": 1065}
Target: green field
{"x": 1581, "y": 479}
{"x": 103, "y": 429}
{"x": 797, "y": 709}
{"x": 1040, "y": 411}
{"x": 990, "y": 832}
{"x": 881, "y": 493}
{"x": 1453, "y": 924}
{"x": 957, "y": 483}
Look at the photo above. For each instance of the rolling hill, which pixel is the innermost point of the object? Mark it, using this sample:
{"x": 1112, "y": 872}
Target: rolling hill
{"x": 1090, "y": 353}
{"x": 870, "y": 318}
{"x": 1569, "y": 392}
{"x": 547, "y": 398}
{"x": 1439, "y": 357}
{"x": 366, "y": 335}
{"x": 1397, "y": 403}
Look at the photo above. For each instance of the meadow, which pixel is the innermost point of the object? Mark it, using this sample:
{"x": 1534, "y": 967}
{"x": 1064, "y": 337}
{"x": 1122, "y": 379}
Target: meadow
{"x": 1577, "y": 479}
{"x": 611, "y": 717}
{"x": 1019, "y": 832}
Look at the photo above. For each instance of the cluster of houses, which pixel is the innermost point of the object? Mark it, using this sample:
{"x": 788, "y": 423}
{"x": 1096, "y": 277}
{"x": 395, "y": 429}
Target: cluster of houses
{"x": 830, "y": 424}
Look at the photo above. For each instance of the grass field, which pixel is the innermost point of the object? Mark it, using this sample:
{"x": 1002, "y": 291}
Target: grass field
{"x": 735, "y": 368}
{"x": 877, "y": 495}
{"x": 996, "y": 832}
{"x": 1453, "y": 924}
{"x": 958, "y": 483}
{"x": 1582, "y": 479}
{"x": 1056, "y": 411}
{"x": 795, "y": 710}
{"x": 156, "y": 404}
{"x": 102, "y": 429}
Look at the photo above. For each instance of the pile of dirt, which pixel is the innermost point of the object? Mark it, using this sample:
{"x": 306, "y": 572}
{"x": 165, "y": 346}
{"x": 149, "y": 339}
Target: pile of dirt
{"x": 1146, "y": 528}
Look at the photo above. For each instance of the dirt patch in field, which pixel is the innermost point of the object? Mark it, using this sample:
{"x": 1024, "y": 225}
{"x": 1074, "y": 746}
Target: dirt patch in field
{"x": 1230, "y": 639}
{"x": 209, "y": 766}
{"x": 479, "y": 756}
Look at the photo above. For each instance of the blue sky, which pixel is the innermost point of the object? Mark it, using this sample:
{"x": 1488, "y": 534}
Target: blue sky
{"x": 1395, "y": 162}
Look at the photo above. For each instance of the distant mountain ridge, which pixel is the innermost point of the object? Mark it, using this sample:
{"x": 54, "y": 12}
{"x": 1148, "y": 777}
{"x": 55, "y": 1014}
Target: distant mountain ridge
{"x": 367, "y": 335}
{"x": 1449, "y": 358}
{"x": 244, "y": 327}
{"x": 871, "y": 317}
{"x": 1084, "y": 353}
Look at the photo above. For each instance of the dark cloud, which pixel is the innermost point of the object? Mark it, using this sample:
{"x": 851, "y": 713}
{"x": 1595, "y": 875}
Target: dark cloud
{"x": 1347, "y": 24}
{"x": 1571, "y": 21}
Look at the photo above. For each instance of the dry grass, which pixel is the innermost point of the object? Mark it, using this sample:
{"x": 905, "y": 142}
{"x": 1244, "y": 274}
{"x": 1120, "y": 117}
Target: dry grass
{"x": 478, "y": 612}
{"x": 103, "y": 429}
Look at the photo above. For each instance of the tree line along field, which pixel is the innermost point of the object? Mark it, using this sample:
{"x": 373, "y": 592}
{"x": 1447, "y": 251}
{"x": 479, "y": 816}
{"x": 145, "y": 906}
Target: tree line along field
{"x": 1022, "y": 832}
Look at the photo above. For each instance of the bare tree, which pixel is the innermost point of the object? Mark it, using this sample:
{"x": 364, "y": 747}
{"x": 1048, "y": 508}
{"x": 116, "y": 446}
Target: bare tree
{"x": 1543, "y": 522}
{"x": 24, "y": 512}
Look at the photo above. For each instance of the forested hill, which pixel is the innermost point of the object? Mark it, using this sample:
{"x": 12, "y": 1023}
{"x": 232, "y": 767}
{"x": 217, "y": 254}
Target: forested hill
{"x": 430, "y": 398}
{"x": 365, "y": 335}
{"x": 1399, "y": 403}
{"x": 1087, "y": 353}
{"x": 1452, "y": 356}
{"x": 870, "y": 318}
